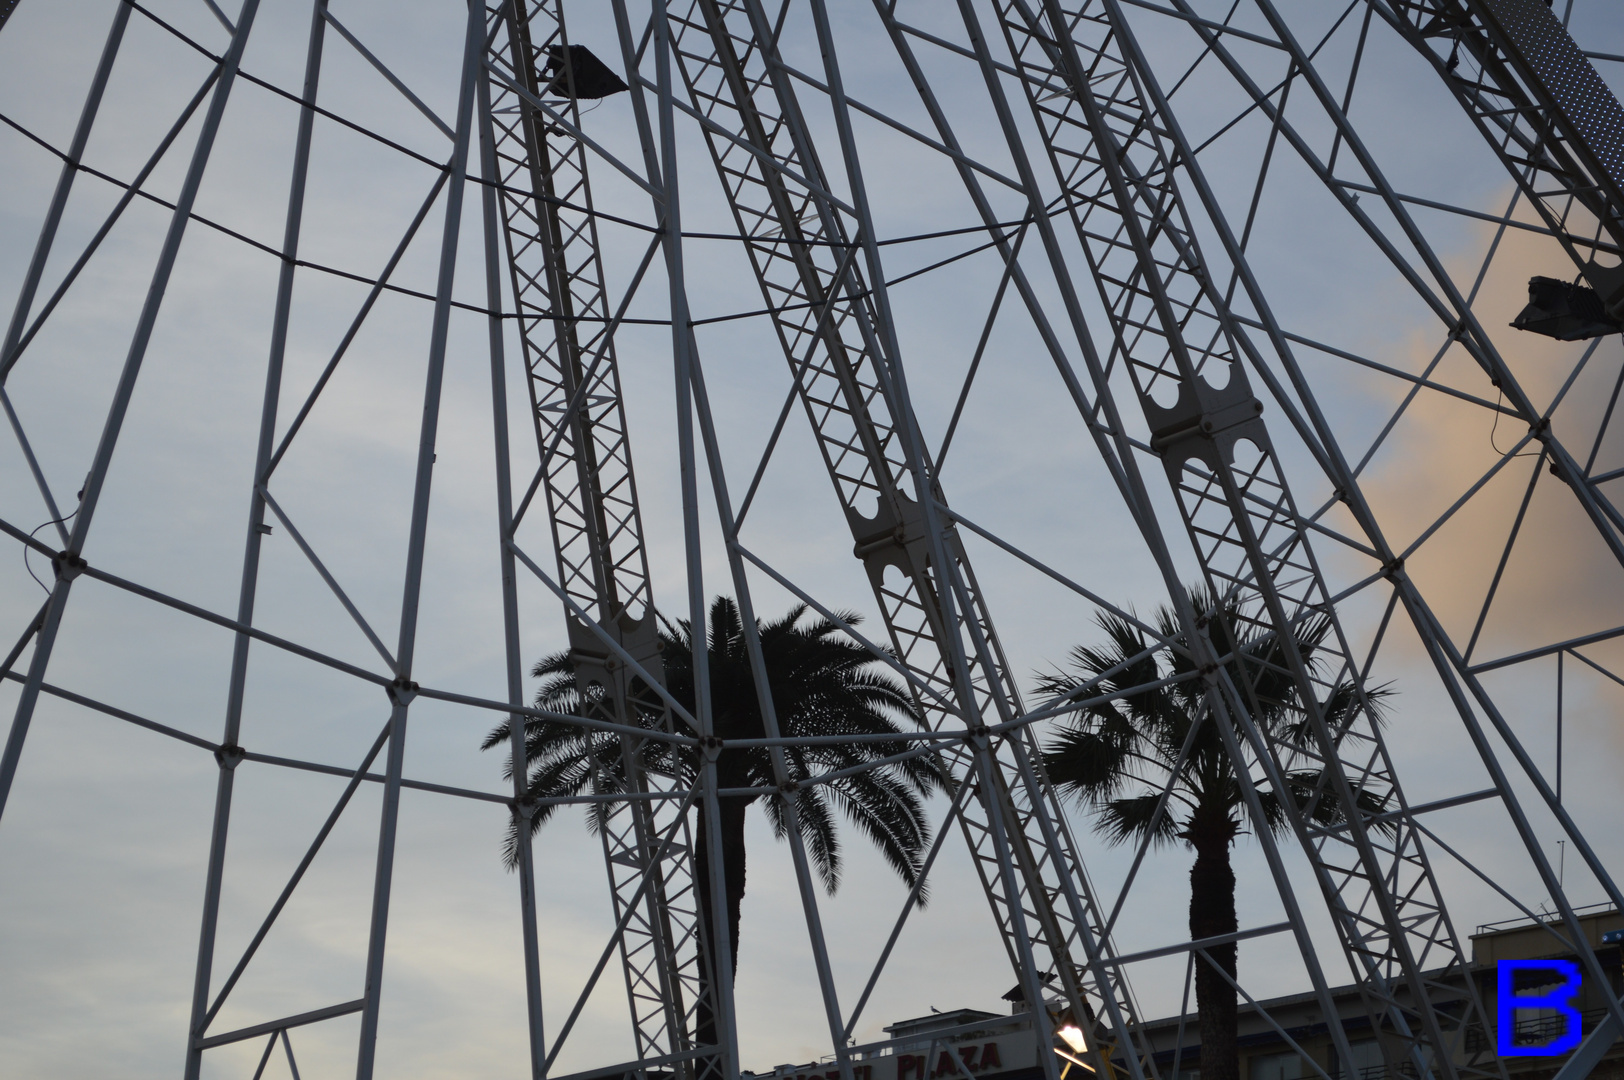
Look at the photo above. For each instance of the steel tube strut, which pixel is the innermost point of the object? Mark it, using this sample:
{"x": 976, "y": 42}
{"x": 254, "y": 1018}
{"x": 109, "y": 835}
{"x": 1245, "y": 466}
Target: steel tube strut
{"x": 230, "y": 754}
{"x": 566, "y": 329}
{"x": 69, "y": 563}
{"x": 64, "y": 185}
{"x": 660, "y": 161}
{"x": 490, "y": 218}
{"x": 1111, "y": 151}
{"x": 852, "y": 389}
{"x": 403, "y": 690}
{"x": 1447, "y": 659}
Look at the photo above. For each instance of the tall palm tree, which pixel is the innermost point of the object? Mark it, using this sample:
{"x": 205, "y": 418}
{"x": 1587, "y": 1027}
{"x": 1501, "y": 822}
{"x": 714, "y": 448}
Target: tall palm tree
{"x": 1119, "y": 757}
{"x": 821, "y": 683}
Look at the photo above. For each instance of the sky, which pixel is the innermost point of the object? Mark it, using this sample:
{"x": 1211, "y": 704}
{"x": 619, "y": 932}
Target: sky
{"x": 104, "y": 841}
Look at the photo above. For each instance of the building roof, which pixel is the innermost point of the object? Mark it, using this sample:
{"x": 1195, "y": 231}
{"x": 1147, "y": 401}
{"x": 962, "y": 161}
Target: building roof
{"x": 932, "y": 1021}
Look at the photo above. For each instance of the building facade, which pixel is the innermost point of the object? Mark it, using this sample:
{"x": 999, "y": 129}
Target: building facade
{"x": 967, "y": 1043}
{"x": 963, "y": 1043}
{"x": 1266, "y": 1054}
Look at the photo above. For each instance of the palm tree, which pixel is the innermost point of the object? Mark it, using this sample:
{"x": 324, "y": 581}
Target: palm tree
{"x": 821, "y": 683}
{"x": 1119, "y": 757}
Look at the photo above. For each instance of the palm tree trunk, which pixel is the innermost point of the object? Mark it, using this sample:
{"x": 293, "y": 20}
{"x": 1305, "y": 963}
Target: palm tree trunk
{"x": 1212, "y": 912}
{"x": 733, "y": 868}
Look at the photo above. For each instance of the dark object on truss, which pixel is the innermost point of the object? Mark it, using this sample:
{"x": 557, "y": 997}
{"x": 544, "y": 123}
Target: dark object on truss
{"x": 1017, "y": 993}
{"x": 6, "y": 8}
{"x": 592, "y": 77}
{"x": 1564, "y": 311}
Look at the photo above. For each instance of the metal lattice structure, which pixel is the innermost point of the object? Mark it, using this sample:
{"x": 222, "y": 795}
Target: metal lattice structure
{"x": 1112, "y": 227}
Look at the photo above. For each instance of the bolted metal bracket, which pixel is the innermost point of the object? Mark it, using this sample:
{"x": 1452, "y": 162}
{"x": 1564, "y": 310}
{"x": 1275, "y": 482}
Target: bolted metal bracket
{"x": 229, "y": 756}
{"x": 894, "y": 536}
{"x": 67, "y": 565}
{"x": 596, "y": 664}
{"x": 1205, "y": 421}
{"x": 401, "y": 692}
{"x": 1608, "y": 281}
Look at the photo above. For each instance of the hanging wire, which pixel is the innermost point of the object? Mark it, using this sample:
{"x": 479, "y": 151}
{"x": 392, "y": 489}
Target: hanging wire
{"x": 26, "y": 565}
{"x": 1500, "y": 399}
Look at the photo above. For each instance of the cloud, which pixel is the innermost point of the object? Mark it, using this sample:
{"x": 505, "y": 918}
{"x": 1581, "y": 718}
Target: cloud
{"x": 1561, "y": 580}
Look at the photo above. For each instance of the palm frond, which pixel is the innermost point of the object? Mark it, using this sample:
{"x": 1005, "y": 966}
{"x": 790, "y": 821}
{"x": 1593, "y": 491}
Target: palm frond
{"x": 1130, "y": 818}
{"x": 1086, "y": 764}
{"x": 820, "y": 683}
{"x": 892, "y": 816}
{"x": 818, "y": 833}
{"x": 1117, "y": 755}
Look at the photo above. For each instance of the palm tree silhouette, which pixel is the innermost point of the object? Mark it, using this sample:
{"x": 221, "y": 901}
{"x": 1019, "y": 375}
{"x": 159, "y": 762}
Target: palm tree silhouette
{"x": 822, "y": 684}
{"x": 1119, "y": 757}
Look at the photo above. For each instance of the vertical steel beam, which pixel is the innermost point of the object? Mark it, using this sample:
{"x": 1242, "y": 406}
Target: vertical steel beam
{"x": 1559, "y": 689}
{"x": 669, "y": 209}
{"x": 805, "y": 883}
{"x": 1122, "y": 463}
{"x": 70, "y": 562}
{"x": 1151, "y": 253}
{"x": 514, "y": 660}
{"x": 402, "y": 691}
{"x": 1452, "y": 669}
{"x": 998, "y": 800}
{"x": 860, "y": 415}
{"x": 568, "y": 339}
{"x": 229, "y": 756}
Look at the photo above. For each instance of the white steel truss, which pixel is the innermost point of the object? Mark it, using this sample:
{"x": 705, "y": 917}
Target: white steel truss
{"x": 1130, "y": 259}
